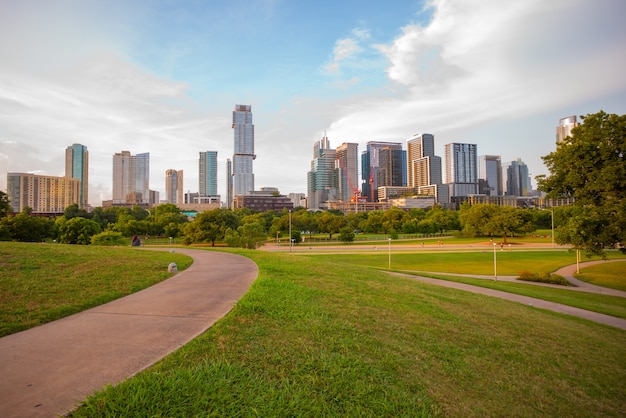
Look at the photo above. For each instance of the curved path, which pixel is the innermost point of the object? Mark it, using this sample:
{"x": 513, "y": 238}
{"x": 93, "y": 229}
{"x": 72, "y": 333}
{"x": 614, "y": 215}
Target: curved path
{"x": 47, "y": 370}
{"x": 566, "y": 272}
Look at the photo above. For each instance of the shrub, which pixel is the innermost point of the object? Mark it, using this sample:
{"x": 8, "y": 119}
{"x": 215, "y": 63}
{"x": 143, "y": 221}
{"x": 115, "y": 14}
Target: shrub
{"x": 109, "y": 238}
{"x": 543, "y": 278}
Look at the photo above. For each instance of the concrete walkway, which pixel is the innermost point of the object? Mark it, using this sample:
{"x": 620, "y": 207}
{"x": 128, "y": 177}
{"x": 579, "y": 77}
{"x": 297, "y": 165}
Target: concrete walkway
{"x": 566, "y": 272}
{"x": 47, "y": 370}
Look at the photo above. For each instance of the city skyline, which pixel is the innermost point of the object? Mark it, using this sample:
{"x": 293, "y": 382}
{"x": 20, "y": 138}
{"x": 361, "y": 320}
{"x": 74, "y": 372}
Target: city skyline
{"x": 162, "y": 77}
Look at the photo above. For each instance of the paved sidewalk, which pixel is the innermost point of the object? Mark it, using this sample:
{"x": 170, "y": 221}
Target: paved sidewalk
{"x": 566, "y": 272}
{"x": 47, "y": 370}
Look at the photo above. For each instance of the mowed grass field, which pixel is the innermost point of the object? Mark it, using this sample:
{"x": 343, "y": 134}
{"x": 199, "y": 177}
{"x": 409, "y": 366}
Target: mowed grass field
{"x": 43, "y": 282}
{"x": 317, "y": 337}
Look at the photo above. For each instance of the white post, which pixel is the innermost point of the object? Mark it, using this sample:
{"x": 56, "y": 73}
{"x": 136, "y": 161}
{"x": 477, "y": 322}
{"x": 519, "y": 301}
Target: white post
{"x": 552, "y": 218}
{"x": 290, "y": 240}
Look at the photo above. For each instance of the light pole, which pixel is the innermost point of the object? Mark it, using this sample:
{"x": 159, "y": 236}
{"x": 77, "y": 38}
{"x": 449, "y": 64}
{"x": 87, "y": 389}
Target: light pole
{"x": 389, "y": 253}
{"x": 290, "y": 239}
{"x": 552, "y": 224}
{"x": 495, "y": 267}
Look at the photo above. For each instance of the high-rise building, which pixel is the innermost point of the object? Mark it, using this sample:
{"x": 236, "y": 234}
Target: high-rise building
{"x": 424, "y": 168}
{"x": 346, "y": 165}
{"x": 321, "y": 179}
{"x": 77, "y": 167}
{"x": 229, "y": 184}
{"x": 461, "y": 169}
{"x": 564, "y": 129}
{"x": 517, "y": 179}
{"x": 131, "y": 178}
{"x": 490, "y": 175}
{"x": 371, "y": 165}
{"x": 207, "y": 173}
{"x": 243, "y": 174}
{"x": 174, "y": 190}
{"x": 42, "y": 194}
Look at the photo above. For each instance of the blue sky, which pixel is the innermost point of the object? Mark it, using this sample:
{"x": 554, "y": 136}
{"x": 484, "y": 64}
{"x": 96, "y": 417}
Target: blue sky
{"x": 163, "y": 77}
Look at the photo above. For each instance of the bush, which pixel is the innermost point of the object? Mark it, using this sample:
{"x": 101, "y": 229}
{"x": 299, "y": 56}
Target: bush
{"x": 109, "y": 238}
{"x": 543, "y": 278}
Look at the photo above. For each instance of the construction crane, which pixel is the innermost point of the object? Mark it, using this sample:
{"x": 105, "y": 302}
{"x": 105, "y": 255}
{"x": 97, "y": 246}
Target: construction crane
{"x": 356, "y": 193}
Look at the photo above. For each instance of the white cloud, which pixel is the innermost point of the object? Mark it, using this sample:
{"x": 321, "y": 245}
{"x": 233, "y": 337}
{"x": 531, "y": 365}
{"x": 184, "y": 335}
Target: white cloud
{"x": 346, "y": 49}
{"x": 485, "y": 60}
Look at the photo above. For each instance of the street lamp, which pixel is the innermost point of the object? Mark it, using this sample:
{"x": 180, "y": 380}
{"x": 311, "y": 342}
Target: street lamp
{"x": 389, "y": 253}
{"x": 290, "y": 238}
{"x": 495, "y": 267}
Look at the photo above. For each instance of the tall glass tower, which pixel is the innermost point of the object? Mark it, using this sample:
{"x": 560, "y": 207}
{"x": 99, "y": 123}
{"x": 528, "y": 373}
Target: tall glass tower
{"x": 131, "y": 178}
{"x": 77, "y": 167}
{"x": 207, "y": 167}
{"x": 243, "y": 174}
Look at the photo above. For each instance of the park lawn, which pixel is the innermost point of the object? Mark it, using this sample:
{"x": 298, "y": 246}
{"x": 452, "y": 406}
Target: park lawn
{"x": 612, "y": 275}
{"x": 40, "y": 283}
{"x": 479, "y": 262}
{"x": 604, "y": 304}
{"x": 314, "y": 337}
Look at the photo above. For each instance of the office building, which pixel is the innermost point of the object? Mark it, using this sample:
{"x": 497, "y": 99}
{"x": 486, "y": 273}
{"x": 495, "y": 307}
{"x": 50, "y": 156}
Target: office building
{"x": 424, "y": 168}
{"x": 346, "y": 164}
{"x": 43, "y": 194}
{"x": 207, "y": 173}
{"x": 229, "y": 184}
{"x": 490, "y": 175}
{"x": 131, "y": 179}
{"x": 517, "y": 179}
{"x": 243, "y": 156}
{"x": 393, "y": 168}
{"x": 461, "y": 169}
{"x": 77, "y": 167}
{"x": 174, "y": 190}
{"x": 564, "y": 129}
{"x": 321, "y": 179}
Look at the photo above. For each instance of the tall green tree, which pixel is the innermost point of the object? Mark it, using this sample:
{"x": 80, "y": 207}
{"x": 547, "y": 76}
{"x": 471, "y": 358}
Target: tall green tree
{"x": 210, "y": 226}
{"x": 590, "y": 167}
{"x": 5, "y": 205}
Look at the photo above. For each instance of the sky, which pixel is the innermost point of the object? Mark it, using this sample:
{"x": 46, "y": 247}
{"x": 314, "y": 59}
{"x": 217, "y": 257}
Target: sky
{"x": 163, "y": 76}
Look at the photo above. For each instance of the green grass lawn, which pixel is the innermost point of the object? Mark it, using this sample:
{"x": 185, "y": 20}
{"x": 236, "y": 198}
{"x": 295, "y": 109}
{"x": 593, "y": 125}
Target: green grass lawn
{"x": 321, "y": 336}
{"x": 612, "y": 275}
{"x": 43, "y": 282}
{"x": 476, "y": 261}
{"x": 314, "y": 337}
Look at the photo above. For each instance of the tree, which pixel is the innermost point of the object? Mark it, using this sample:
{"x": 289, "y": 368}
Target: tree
{"x": 77, "y": 230}
{"x": 73, "y": 211}
{"x": 590, "y": 167}
{"x": 346, "y": 235}
{"x": 250, "y": 235}
{"x": 5, "y": 205}
{"x": 210, "y": 226}
{"x": 24, "y": 227}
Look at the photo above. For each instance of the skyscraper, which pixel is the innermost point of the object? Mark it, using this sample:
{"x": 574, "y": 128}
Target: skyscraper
{"x": 565, "y": 128}
{"x": 461, "y": 169}
{"x": 370, "y": 165}
{"x": 321, "y": 179}
{"x": 422, "y": 168}
{"x": 229, "y": 184}
{"x": 174, "y": 186}
{"x": 77, "y": 167}
{"x": 131, "y": 178}
{"x": 243, "y": 174}
{"x": 517, "y": 179}
{"x": 207, "y": 170}
{"x": 347, "y": 171}
{"x": 490, "y": 175}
